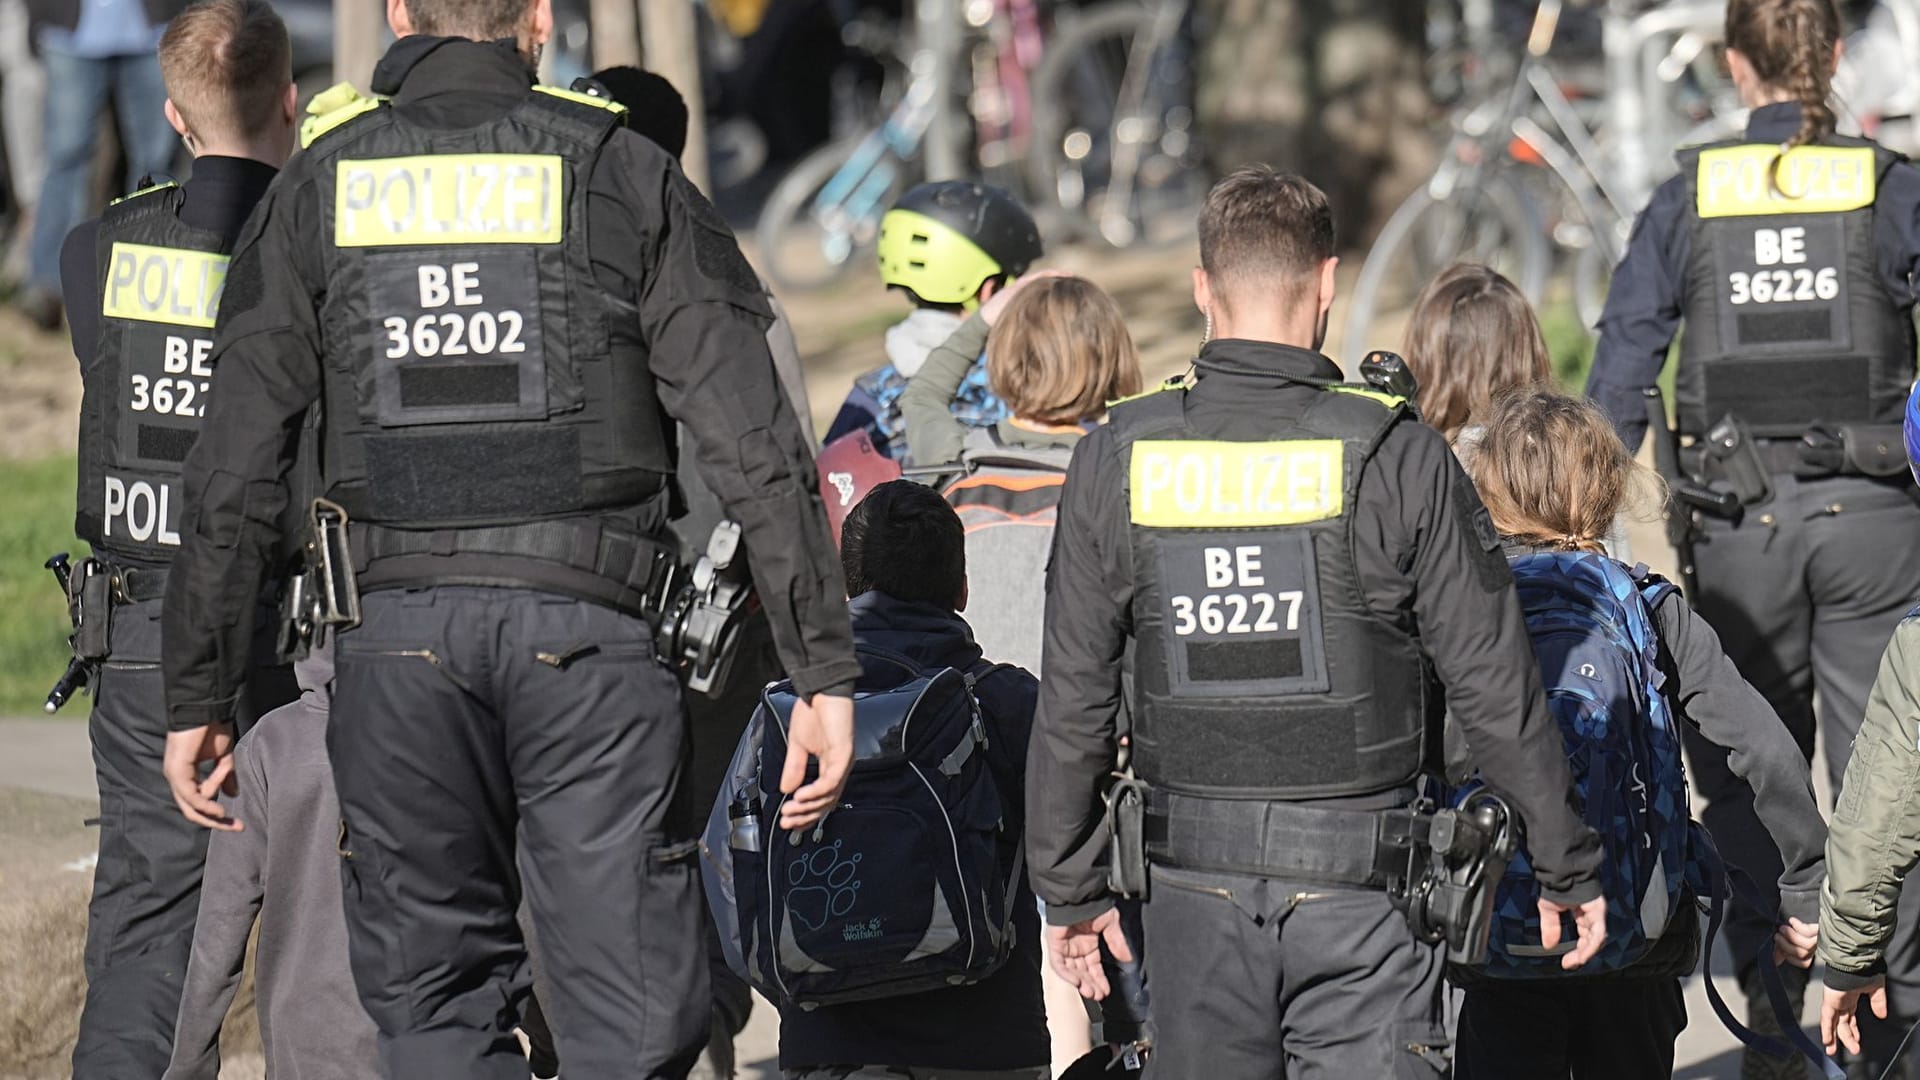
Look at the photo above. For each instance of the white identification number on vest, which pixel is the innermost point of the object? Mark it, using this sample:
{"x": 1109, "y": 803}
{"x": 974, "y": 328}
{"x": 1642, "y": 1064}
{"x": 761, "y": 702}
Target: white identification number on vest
{"x": 146, "y": 512}
{"x": 448, "y": 199}
{"x": 1182, "y": 484}
{"x": 1236, "y": 612}
{"x": 1790, "y": 282}
{"x": 1241, "y": 611}
{"x": 437, "y": 332}
{"x": 163, "y": 285}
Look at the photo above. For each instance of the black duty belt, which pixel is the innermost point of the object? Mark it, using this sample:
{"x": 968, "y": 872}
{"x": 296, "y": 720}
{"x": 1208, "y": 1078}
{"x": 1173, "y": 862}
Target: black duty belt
{"x": 1777, "y": 456}
{"x": 1367, "y": 848}
{"x": 136, "y": 584}
{"x": 585, "y": 559}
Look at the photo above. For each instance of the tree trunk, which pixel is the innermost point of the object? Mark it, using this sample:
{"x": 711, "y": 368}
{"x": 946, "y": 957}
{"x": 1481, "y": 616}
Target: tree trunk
{"x": 673, "y": 51}
{"x": 358, "y": 26}
{"x": 615, "y": 29}
{"x": 1332, "y": 89}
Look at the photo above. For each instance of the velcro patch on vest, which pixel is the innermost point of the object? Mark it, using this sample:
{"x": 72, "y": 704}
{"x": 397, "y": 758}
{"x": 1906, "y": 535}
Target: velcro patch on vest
{"x": 165, "y": 375}
{"x": 1783, "y": 284}
{"x": 459, "y": 336}
{"x": 487, "y": 475}
{"x": 1197, "y": 484}
{"x": 439, "y": 199}
{"x": 1733, "y": 181}
{"x": 1242, "y": 614}
{"x": 163, "y": 285}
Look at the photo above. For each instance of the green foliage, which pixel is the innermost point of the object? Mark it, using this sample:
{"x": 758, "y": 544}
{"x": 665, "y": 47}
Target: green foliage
{"x": 1571, "y": 346}
{"x": 36, "y": 520}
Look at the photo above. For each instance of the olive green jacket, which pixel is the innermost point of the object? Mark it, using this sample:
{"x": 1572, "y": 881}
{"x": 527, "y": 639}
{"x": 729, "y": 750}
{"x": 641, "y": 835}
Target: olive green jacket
{"x": 1874, "y": 839}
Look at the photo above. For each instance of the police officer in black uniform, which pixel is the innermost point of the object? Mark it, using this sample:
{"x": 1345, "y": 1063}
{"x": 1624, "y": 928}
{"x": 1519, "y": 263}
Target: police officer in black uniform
{"x": 156, "y": 260}
{"x": 1289, "y": 568}
{"x": 500, "y": 296}
{"x": 1794, "y": 277}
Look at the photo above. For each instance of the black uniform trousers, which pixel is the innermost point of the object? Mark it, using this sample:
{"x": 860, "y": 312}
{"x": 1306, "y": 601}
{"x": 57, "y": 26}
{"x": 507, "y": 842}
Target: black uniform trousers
{"x": 1257, "y": 979}
{"x": 146, "y": 886}
{"x": 1587, "y": 1029}
{"x": 1805, "y": 593}
{"x": 464, "y": 717}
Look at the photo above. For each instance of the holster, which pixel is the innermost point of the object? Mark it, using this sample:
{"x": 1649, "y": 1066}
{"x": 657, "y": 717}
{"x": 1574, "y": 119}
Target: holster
{"x": 324, "y": 596}
{"x": 1730, "y": 454}
{"x": 90, "y": 604}
{"x": 1127, "y": 838}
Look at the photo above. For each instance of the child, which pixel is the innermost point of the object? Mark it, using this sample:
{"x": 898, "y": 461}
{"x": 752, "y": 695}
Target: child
{"x": 948, "y": 246}
{"x": 1553, "y": 476}
{"x": 1057, "y": 351}
{"x": 906, "y": 566}
{"x": 1471, "y": 338}
{"x": 1875, "y": 839}
{"x": 283, "y": 871}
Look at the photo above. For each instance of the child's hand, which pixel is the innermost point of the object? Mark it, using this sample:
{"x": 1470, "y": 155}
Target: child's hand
{"x": 997, "y": 303}
{"x": 1794, "y": 942}
{"x": 1840, "y": 1015}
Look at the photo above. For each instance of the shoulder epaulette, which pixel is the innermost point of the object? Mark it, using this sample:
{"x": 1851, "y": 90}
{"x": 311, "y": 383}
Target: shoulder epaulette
{"x": 333, "y": 107}
{"x": 582, "y": 98}
{"x": 1391, "y": 401}
{"x": 165, "y": 185}
{"x": 1177, "y": 382}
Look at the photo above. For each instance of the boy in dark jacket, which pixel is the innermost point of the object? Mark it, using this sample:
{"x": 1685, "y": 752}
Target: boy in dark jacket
{"x": 904, "y": 553}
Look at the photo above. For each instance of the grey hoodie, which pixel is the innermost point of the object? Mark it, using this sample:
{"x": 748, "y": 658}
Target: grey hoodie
{"x": 283, "y": 868}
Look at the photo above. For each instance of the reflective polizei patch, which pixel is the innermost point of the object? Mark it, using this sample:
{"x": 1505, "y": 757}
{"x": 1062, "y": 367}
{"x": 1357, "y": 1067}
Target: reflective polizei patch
{"x": 1732, "y": 181}
{"x": 163, "y": 285}
{"x": 1182, "y": 484}
{"x": 449, "y": 199}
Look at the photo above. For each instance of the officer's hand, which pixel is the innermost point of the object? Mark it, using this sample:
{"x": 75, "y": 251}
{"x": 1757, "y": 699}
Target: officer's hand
{"x": 1074, "y": 952}
{"x": 1840, "y": 1014}
{"x": 1794, "y": 942}
{"x": 1589, "y": 921}
{"x": 822, "y": 729}
{"x": 998, "y": 301}
{"x": 186, "y": 752}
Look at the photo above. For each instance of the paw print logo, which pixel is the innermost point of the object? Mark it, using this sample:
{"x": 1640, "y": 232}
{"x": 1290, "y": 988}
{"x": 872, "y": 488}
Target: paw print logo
{"x": 822, "y": 886}
{"x": 843, "y": 483}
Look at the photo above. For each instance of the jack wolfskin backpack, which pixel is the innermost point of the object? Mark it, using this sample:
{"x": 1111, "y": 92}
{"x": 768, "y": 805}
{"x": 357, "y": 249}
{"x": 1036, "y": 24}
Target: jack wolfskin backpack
{"x": 1596, "y": 638}
{"x": 901, "y": 888}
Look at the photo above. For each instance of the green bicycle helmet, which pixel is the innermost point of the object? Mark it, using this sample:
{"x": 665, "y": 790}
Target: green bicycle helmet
{"x": 943, "y": 240}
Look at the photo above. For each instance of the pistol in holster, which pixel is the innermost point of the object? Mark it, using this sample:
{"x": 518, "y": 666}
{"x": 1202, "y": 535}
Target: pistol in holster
{"x": 1690, "y": 498}
{"x": 323, "y": 597}
{"x": 704, "y": 628}
{"x": 88, "y": 587}
{"x": 1448, "y": 894}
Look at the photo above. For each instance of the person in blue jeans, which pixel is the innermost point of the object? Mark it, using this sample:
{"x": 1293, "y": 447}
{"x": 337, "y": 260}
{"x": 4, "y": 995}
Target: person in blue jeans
{"x": 96, "y": 53}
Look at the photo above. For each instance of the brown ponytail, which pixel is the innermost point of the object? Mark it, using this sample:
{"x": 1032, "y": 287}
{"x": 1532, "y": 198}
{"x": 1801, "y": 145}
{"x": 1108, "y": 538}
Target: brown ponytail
{"x": 1790, "y": 45}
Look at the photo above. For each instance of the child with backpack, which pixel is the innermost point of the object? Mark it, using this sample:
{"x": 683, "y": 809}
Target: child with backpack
{"x": 948, "y": 246}
{"x": 899, "y": 937}
{"x": 1625, "y": 660}
{"x": 1057, "y": 352}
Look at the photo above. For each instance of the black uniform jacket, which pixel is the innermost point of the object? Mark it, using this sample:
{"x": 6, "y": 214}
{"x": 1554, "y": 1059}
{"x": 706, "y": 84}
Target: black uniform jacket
{"x": 651, "y": 235}
{"x": 1642, "y": 315}
{"x": 1432, "y": 564}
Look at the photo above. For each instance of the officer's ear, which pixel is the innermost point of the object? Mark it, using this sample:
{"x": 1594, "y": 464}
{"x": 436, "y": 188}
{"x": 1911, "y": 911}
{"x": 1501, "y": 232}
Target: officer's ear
{"x": 1327, "y": 274}
{"x": 173, "y": 117}
{"x": 1202, "y": 292}
{"x": 540, "y": 21}
{"x": 960, "y": 604}
{"x": 399, "y": 19}
{"x": 290, "y": 106}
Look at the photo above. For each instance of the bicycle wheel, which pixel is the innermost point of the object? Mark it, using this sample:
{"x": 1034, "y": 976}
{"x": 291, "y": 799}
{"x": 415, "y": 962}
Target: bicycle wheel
{"x": 1493, "y": 222}
{"x": 1113, "y": 147}
{"x": 808, "y": 242}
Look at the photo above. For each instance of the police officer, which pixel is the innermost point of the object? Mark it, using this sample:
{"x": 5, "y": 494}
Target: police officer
{"x": 1793, "y": 273}
{"x": 500, "y": 296}
{"x": 1288, "y": 570}
{"x": 156, "y": 260}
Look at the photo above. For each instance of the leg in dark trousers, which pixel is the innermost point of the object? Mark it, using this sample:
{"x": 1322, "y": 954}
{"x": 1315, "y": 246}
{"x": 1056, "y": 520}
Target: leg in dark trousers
{"x": 1259, "y": 979}
{"x": 146, "y": 888}
{"x": 449, "y": 731}
{"x": 1543, "y": 1029}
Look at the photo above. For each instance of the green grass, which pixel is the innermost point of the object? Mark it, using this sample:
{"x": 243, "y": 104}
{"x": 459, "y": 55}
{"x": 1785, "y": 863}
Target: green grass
{"x": 36, "y": 520}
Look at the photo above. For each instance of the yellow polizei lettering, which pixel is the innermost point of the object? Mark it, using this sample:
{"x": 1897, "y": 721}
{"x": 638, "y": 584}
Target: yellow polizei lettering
{"x": 448, "y": 199}
{"x": 1732, "y": 181}
{"x": 1226, "y": 485}
{"x": 164, "y": 285}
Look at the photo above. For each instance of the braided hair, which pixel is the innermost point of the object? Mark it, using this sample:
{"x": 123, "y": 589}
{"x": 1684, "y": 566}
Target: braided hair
{"x": 1790, "y": 44}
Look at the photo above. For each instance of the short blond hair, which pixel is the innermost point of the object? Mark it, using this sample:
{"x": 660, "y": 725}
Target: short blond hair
{"x": 1061, "y": 351}
{"x": 227, "y": 65}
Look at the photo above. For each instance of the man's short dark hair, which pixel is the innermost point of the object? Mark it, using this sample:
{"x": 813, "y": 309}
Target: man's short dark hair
{"x": 654, "y": 108}
{"x": 480, "y": 20}
{"x": 1260, "y": 225}
{"x": 904, "y": 540}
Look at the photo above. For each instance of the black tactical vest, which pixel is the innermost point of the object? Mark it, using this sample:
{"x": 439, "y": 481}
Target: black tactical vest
{"x": 475, "y": 372}
{"x": 1787, "y": 323}
{"x": 146, "y": 390}
{"x": 1260, "y": 670}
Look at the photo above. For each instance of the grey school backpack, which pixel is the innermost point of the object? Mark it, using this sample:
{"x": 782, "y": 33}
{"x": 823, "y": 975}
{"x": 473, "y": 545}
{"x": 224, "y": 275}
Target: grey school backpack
{"x": 1008, "y": 500}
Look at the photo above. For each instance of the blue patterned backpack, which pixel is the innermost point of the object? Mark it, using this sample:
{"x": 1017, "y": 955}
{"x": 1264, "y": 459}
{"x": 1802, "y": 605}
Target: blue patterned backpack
{"x": 1595, "y": 635}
